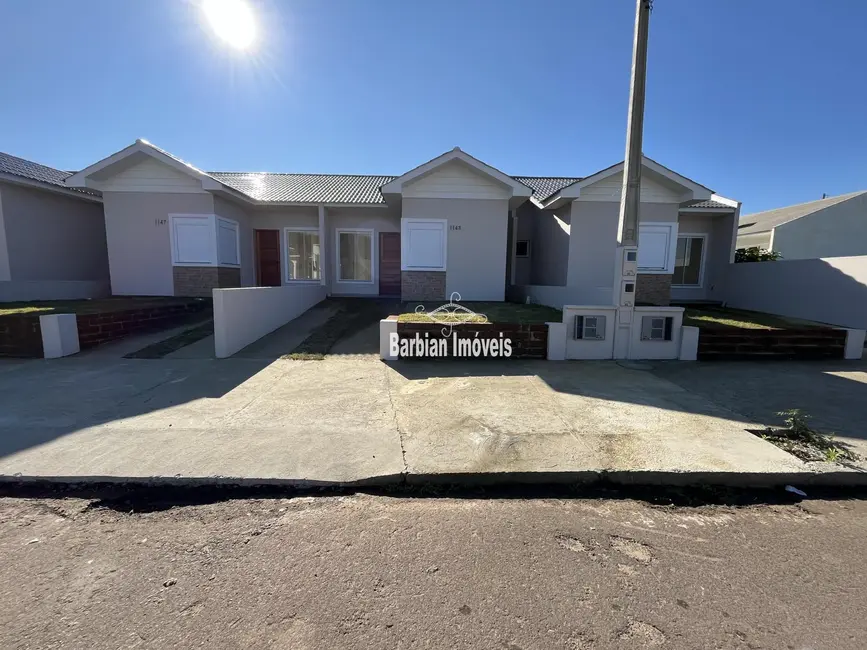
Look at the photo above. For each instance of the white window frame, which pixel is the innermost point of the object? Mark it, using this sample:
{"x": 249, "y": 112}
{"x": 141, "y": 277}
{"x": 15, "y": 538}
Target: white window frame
{"x": 601, "y": 324}
{"x": 690, "y": 235}
{"x": 284, "y": 253}
{"x": 518, "y": 241}
{"x": 217, "y": 219}
{"x": 210, "y": 219}
{"x": 404, "y": 231}
{"x": 373, "y": 260}
{"x": 668, "y": 269}
{"x": 649, "y": 336}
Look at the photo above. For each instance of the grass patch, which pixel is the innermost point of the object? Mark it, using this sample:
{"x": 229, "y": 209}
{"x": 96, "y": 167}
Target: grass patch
{"x": 723, "y": 318}
{"x": 303, "y": 356}
{"x": 162, "y": 348}
{"x": 801, "y": 441}
{"x": 496, "y": 312}
{"x": 97, "y": 306}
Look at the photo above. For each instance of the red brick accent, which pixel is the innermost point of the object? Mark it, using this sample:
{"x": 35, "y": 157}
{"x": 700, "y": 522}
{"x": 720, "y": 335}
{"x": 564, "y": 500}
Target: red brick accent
{"x": 199, "y": 281}
{"x": 807, "y": 343}
{"x": 653, "y": 289}
{"x": 423, "y": 285}
{"x": 94, "y": 329}
{"x": 20, "y": 336}
{"x": 528, "y": 341}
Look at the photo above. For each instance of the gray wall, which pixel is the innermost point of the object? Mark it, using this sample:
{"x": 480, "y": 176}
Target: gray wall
{"x": 476, "y": 266}
{"x": 837, "y": 231}
{"x": 550, "y": 247}
{"x": 718, "y": 229}
{"x": 760, "y": 239}
{"x": 831, "y": 290}
{"x": 139, "y": 246}
{"x": 230, "y": 210}
{"x": 527, "y": 215}
{"x": 52, "y": 237}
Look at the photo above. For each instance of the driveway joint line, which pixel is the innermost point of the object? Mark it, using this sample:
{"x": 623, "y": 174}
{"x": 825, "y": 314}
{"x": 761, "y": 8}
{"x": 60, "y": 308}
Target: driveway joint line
{"x": 396, "y": 423}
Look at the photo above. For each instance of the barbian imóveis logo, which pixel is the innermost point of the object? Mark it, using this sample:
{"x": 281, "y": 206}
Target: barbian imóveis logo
{"x": 452, "y": 343}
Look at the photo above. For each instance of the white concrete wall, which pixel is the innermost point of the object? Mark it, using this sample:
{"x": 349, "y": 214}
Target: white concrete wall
{"x": 557, "y": 297}
{"x": 830, "y": 290}
{"x": 477, "y": 243}
{"x": 589, "y": 348}
{"x": 242, "y": 316}
{"x": 639, "y": 349}
{"x": 139, "y": 247}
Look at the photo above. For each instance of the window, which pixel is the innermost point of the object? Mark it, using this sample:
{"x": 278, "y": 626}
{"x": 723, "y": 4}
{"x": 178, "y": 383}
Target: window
{"x": 656, "y": 243}
{"x": 355, "y": 255}
{"x": 590, "y": 327}
{"x": 688, "y": 261}
{"x": 192, "y": 239}
{"x": 656, "y": 328}
{"x": 227, "y": 242}
{"x": 423, "y": 244}
{"x": 303, "y": 255}
{"x": 522, "y": 248}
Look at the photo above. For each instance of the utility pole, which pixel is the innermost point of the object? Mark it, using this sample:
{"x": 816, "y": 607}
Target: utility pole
{"x": 627, "y": 230}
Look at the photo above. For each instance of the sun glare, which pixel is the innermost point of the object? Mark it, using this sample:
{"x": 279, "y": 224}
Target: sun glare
{"x": 232, "y": 21}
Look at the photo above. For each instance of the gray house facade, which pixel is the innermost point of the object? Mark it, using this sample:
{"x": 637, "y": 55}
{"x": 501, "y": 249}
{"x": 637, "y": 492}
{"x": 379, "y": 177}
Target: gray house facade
{"x": 831, "y": 227}
{"x": 52, "y": 237}
{"x": 452, "y": 224}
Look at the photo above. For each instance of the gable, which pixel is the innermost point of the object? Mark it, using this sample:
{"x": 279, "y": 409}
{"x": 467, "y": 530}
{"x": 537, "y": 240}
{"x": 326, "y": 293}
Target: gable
{"x": 610, "y": 188}
{"x": 150, "y": 175}
{"x": 456, "y": 180}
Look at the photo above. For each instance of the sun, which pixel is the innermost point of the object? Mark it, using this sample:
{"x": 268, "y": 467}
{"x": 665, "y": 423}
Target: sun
{"x": 232, "y": 21}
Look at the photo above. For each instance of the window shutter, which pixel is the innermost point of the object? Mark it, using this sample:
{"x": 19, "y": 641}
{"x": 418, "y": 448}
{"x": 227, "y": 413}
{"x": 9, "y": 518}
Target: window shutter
{"x": 669, "y": 325}
{"x": 579, "y": 328}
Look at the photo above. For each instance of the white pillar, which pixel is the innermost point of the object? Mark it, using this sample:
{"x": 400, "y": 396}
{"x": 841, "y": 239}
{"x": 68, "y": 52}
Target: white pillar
{"x": 387, "y": 327}
{"x": 59, "y": 335}
{"x": 688, "y": 343}
{"x": 854, "y": 344}
{"x": 556, "y": 341}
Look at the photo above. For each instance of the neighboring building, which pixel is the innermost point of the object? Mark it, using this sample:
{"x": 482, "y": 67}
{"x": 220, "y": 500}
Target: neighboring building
{"x": 52, "y": 237}
{"x": 451, "y": 224}
{"x": 831, "y": 227}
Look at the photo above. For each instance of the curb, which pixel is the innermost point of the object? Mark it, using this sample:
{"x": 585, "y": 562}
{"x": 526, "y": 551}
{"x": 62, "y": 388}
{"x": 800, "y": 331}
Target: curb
{"x": 583, "y": 479}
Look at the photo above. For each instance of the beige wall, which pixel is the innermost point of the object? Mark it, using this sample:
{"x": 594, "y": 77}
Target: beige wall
{"x": 139, "y": 245}
{"x": 51, "y": 237}
{"x": 476, "y": 265}
{"x": 760, "y": 239}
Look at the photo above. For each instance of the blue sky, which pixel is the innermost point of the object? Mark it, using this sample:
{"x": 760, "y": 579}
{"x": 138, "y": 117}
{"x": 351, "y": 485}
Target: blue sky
{"x": 763, "y": 101}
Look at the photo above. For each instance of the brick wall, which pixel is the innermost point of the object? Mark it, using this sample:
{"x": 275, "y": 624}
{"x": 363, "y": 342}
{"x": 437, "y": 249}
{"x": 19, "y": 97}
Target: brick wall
{"x": 198, "y": 281}
{"x": 20, "y": 336}
{"x": 423, "y": 285}
{"x": 94, "y": 329}
{"x": 653, "y": 289}
{"x": 528, "y": 341}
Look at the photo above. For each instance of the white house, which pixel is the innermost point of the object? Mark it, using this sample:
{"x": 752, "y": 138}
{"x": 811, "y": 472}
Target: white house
{"x": 832, "y": 227}
{"x": 452, "y": 224}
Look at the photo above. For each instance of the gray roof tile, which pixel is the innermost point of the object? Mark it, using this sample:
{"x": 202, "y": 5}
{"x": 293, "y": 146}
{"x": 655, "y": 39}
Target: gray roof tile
{"x": 35, "y": 172}
{"x": 764, "y": 221}
{"x": 710, "y": 204}
{"x": 343, "y": 188}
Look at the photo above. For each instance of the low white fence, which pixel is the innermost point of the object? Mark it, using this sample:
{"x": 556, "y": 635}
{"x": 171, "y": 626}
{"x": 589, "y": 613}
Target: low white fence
{"x": 829, "y": 290}
{"x": 242, "y": 316}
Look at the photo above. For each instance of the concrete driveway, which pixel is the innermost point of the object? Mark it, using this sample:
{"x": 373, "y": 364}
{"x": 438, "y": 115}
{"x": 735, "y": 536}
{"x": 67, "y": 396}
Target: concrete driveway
{"x": 351, "y": 419}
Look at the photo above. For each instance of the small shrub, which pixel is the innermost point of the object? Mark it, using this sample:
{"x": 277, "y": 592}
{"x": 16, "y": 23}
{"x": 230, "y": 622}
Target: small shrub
{"x": 806, "y": 443}
{"x": 755, "y": 254}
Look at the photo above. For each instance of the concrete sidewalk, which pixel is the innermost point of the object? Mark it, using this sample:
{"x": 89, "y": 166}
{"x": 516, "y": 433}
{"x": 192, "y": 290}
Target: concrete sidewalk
{"x": 355, "y": 420}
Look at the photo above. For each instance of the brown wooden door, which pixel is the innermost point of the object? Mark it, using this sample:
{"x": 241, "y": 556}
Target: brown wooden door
{"x": 268, "y": 257}
{"x": 389, "y": 264}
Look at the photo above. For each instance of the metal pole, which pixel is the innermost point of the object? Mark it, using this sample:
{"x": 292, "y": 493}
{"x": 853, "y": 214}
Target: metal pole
{"x": 627, "y": 227}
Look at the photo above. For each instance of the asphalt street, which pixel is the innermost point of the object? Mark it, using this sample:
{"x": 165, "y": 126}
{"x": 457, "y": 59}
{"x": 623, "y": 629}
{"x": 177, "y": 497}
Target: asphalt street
{"x": 374, "y": 571}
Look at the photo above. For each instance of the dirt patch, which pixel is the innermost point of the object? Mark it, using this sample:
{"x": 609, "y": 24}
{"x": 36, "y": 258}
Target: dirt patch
{"x": 805, "y": 443}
